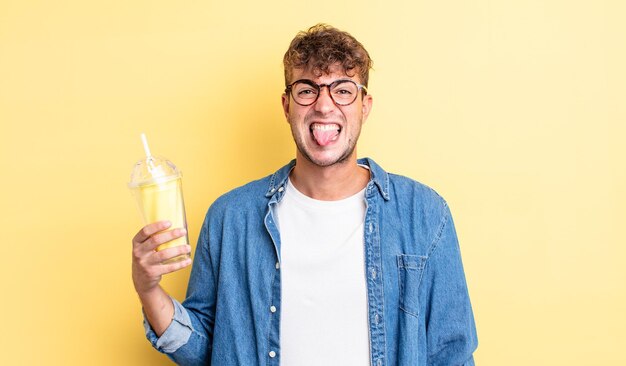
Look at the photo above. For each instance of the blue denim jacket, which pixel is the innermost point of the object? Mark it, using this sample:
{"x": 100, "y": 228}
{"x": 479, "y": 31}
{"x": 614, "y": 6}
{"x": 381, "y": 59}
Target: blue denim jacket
{"x": 419, "y": 307}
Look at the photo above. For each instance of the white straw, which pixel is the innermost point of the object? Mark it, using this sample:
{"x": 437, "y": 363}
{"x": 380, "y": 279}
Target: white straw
{"x": 145, "y": 145}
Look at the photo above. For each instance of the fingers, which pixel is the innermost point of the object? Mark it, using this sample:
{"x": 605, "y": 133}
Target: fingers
{"x": 143, "y": 252}
{"x": 162, "y": 256}
{"x": 149, "y": 230}
{"x": 173, "y": 267}
{"x": 160, "y": 238}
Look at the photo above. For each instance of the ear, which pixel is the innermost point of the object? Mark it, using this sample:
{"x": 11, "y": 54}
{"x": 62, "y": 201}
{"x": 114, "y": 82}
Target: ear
{"x": 285, "y": 101}
{"x": 366, "y": 106}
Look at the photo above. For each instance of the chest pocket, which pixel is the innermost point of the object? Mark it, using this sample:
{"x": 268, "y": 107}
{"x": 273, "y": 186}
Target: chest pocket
{"x": 410, "y": 271}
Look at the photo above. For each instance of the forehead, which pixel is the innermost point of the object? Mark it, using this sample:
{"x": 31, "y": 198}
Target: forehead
{"x": 335, "y": 72}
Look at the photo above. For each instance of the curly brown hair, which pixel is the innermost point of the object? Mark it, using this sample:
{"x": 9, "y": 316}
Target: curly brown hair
{"x": 322, "y": 46}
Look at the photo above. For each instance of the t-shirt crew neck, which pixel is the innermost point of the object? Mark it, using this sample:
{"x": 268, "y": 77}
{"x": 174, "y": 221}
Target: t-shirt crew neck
{"x": 312, "y": 204}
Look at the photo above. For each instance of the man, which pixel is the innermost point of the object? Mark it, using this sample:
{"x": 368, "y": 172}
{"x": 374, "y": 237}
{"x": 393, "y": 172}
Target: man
{"x": 329, "y": 261}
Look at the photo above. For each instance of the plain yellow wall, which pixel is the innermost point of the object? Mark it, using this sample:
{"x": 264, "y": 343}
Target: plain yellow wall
{"x": 512, "y": 110}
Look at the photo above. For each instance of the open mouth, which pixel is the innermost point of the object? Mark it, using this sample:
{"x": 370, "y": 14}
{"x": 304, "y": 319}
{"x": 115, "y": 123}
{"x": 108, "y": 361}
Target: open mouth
{"x": 325, "y": 133}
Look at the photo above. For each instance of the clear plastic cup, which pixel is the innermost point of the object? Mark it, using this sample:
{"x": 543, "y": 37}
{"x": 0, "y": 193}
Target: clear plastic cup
{"x": 156, "y": 185}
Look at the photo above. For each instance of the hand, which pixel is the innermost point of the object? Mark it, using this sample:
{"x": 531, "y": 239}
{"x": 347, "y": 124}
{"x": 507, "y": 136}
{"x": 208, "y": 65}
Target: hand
{"x": 147, "y": 262}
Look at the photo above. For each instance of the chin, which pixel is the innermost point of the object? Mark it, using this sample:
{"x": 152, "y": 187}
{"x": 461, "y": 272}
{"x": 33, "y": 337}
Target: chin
{"x": 326, "y": 161}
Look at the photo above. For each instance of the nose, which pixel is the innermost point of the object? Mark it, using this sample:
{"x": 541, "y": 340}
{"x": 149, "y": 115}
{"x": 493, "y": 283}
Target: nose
{"x": 324, "y": 103}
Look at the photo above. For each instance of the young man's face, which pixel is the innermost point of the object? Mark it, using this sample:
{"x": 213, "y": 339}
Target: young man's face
{"x": 326, "y": 133}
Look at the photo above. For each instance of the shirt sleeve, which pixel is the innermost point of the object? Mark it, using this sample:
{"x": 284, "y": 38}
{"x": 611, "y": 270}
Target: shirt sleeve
{"x": 177, "y": 333}
{"x": 451, "y": 331}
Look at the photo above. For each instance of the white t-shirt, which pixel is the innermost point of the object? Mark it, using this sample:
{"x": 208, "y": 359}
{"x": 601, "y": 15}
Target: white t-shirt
{"x": 323, "y": 319}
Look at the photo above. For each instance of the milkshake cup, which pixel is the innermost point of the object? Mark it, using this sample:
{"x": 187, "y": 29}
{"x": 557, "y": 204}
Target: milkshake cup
{"x": 156, "y": 184}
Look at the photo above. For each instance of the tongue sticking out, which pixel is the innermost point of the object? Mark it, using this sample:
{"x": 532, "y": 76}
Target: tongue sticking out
{"x": 325, "y": 136}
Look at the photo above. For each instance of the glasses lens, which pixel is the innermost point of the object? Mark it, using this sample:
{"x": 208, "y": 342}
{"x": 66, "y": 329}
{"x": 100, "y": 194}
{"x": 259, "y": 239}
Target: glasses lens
{"x": 304, "y": 93}
{"x": 344, "y": 91}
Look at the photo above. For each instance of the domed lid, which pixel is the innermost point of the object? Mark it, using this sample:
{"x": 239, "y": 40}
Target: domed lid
{"x": 153, "y": 169}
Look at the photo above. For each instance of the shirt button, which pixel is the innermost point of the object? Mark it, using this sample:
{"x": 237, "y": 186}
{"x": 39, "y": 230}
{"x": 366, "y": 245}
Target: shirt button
{"x": 374, "y": 273}
{"x": 379, "y": 362}
{"x": 281, "y": 189}
{"x": 273, "y": 309}
{"x": 273, "y": 190}
{"x": 376, "y": 319}
{"x": 277, "y": 265}
{"x": 272, "y": 354}
{"x": 371, "y": 227}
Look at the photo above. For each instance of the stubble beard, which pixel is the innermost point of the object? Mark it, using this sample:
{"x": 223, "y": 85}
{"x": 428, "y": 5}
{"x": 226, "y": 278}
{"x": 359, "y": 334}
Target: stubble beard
{"x": 343, "y": 158}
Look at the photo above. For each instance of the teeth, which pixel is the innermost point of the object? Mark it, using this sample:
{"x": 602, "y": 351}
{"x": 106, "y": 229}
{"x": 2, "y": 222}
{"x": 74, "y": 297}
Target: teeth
{"x": 324, "y": 126}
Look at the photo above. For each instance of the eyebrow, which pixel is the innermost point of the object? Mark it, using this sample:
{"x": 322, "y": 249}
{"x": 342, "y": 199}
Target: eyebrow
{"x": 312, "y": 81}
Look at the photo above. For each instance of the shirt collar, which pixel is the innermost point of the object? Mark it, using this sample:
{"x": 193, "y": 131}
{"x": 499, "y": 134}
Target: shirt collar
{"x": 378, "y": 176}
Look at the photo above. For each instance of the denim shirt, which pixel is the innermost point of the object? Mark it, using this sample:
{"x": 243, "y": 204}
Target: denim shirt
{"x": 418, "y": 304}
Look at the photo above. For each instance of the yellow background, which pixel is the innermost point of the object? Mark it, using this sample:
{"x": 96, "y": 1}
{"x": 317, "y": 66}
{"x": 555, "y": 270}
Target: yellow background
{"x": 512, "y": 110}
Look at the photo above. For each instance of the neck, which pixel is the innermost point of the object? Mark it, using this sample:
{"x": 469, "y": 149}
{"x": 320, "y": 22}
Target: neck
{"x": 329, "y": 183}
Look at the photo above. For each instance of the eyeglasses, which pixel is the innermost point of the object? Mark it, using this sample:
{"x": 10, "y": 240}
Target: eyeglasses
{"x": 343, "y": 91}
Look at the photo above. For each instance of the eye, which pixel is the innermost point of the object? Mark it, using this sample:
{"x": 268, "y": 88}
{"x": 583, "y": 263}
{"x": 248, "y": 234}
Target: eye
{"x": 343, "y": 91}
{"x": 306, "y": 91}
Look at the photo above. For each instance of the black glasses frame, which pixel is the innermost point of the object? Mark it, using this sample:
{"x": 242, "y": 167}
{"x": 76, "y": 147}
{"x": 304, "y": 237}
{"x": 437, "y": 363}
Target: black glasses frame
{"x": 319, "y": 87}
